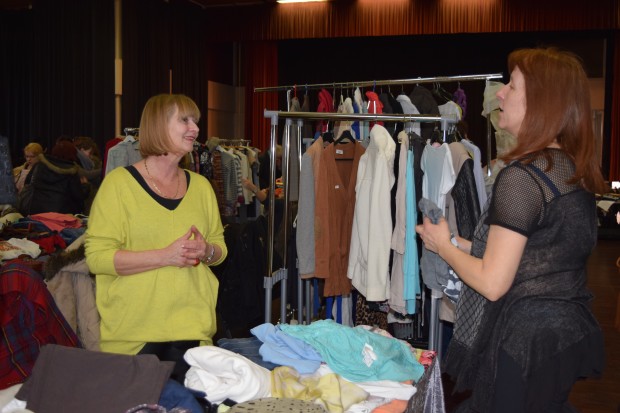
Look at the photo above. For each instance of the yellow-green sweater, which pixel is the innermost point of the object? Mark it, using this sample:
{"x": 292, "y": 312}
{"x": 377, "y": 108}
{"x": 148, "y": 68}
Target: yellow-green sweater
{"x": 166, "y": 304}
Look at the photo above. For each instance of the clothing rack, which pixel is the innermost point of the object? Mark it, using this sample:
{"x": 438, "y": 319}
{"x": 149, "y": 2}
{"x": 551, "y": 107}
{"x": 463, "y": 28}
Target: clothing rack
{"x": 368, "y": 83}
{"x": 234, "y": 142}
{"x": 237, "y": 142}
{"x": 418, "y": 80}
{"x": 132, "y": 131}
{"x": 281, "y": 274}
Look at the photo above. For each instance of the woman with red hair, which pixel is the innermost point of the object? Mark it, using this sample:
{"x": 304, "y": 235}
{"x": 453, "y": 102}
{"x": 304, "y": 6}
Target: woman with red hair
{"x": 524, "y": 331}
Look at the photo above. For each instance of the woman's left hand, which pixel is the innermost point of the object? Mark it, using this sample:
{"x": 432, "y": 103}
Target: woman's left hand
{"x": 195, "y": 248}
{"x": 434, "y": 235}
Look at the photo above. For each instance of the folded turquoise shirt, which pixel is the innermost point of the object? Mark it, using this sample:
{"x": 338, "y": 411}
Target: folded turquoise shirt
{"x": 357, "y": 354}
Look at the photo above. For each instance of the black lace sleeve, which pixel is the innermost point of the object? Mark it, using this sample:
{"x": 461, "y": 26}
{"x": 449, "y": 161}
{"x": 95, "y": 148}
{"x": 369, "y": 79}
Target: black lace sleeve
{"x": 517, "y": 202}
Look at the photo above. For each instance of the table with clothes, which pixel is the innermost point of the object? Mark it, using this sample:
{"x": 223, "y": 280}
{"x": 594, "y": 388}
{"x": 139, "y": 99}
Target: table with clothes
{"x": 341, "y": 368}
{"x": 37, "y": 236}
{"x": 362, "y": 370}
{"x": 50, "y": 359}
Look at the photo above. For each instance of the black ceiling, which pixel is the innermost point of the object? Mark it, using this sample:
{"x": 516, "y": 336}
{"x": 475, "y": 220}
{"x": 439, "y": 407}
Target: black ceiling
{"x": 15, "y": 4}
{"x": 229, "y": 3}
{"x": 26, "y": 4}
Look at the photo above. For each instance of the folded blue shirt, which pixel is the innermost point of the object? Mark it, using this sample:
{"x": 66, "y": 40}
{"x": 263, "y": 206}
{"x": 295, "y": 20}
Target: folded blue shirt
{"x": 285, "y": 350}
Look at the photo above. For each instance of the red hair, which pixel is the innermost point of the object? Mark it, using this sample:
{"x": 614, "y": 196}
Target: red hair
{"x": 557, "y": 93}
{"x": 65, "y": 150}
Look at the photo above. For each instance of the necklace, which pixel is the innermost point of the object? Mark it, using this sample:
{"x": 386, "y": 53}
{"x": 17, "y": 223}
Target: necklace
{"x": 155, "y": 185}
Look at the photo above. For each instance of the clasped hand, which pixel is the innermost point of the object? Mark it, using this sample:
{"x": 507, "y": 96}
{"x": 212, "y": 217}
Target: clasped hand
{"x": 188, "y": 250}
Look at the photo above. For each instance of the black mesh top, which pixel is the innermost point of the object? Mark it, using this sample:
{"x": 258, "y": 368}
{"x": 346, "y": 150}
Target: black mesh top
{"x": 558, "y": 218}
{"x": 545, "y": 315}
{"x": 523, "y": 192}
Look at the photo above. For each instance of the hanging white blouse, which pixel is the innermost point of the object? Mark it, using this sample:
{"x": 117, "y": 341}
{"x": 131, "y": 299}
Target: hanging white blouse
{"x": 372, "y": 220}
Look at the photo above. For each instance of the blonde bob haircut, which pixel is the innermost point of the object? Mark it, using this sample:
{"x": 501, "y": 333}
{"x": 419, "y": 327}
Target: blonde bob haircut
{"x": 34, "y": 148}
{"x": 157, "y": 113}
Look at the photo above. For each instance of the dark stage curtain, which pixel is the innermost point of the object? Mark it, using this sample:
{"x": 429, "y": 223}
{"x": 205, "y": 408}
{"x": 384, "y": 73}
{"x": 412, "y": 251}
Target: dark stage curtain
{"x": 261, "y": 70}
{"x": 16, "y": 81}
{"x": 164, "y": 51}
{"x": 414, "y": 17}
{"x": 57, "y": 74}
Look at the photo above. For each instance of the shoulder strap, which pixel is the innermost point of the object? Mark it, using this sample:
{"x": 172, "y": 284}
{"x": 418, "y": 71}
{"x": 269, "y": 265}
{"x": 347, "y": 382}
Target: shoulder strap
{"x": 545, "y": 179}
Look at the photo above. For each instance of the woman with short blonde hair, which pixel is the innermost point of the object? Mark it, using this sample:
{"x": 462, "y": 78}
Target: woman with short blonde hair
{"x": 153, "y": 234}
{"x": 154, "y": 139}
{"x": 31, "y": 154}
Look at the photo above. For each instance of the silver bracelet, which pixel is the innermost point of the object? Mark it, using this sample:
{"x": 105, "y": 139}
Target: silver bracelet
{"x": 210, "y": 256}
{"x": 454, "y": 241}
